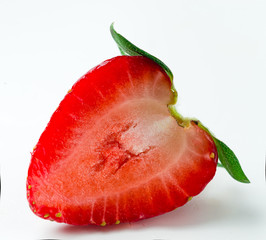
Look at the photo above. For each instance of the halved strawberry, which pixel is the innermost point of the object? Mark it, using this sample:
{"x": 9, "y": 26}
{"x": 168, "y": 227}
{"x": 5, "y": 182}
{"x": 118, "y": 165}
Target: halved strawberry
{"x": 116, "y": 151}
{"x": 113, "y": 152}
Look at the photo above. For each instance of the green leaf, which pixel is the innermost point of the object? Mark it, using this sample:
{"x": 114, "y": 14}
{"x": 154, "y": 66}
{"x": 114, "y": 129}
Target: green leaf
{"x": 128, "y": 48}
{"x": 220, "y": 165}
{"x": 230, "y": 161}
{"x": 227, "y": 158}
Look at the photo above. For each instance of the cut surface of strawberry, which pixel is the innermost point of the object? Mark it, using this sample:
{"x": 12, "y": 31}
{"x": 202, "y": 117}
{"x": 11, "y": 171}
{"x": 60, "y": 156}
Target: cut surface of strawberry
{"x": 113, "y": 152}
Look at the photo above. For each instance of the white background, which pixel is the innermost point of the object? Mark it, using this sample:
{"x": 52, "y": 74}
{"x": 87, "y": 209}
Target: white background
{"x": 216, "y": 50}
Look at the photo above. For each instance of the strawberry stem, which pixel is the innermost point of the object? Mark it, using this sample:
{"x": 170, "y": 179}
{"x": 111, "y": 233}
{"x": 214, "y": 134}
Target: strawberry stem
{"x": 182, "y": 121}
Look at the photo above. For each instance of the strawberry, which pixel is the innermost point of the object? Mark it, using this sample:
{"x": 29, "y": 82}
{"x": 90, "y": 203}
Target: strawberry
{"x": 116, "y": 150}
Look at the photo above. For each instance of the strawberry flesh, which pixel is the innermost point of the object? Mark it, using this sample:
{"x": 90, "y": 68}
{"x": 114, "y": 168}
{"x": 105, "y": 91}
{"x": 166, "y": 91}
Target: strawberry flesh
{"x": 112, "y": 152}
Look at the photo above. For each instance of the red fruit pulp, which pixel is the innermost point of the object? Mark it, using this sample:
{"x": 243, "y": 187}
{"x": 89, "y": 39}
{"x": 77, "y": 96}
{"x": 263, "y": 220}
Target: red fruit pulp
{"x": 112, "y": 152}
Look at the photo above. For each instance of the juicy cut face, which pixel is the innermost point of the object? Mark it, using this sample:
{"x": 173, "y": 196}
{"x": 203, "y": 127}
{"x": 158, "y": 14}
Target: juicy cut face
{"x": 113, "y": 152}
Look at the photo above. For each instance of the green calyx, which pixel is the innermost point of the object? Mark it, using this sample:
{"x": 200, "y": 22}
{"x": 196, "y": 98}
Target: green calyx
{"x": 227, "y": 158}
{"x": 127, "y": 48}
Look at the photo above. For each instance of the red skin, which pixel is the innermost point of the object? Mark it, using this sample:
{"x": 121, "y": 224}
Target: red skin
{"x": 85, "y": 168}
